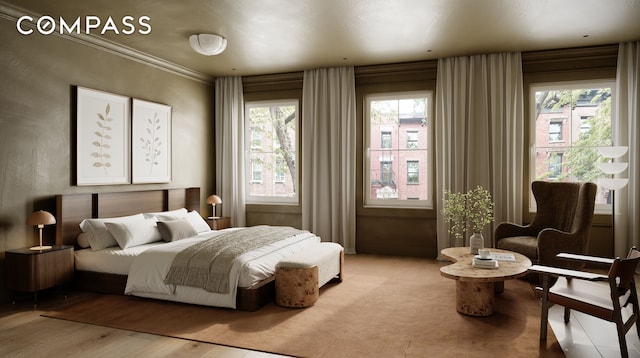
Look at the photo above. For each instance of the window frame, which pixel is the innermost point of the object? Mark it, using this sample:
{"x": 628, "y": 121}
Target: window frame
{"x": 535, "y": 86}
{"x": 271, "y": 199}
{"x": 409, "y": 203}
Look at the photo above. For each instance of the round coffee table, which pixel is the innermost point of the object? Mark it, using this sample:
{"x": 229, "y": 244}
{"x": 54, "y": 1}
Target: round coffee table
{"x": 476, "y": 287}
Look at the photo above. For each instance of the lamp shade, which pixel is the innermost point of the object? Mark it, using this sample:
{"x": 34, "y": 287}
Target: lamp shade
{"x": 208, "y": 44}
{"x": 613, "y": 168}
{"x": 613, "y": 151}
{"x": 41, "y": 217}
{"x": 613, "y": 183}
{"x": 214, "y": 199}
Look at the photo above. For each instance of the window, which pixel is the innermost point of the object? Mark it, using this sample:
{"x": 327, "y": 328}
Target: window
{"x": 555, "y": 165}
{"x": 280, "y": 171}
{"x": 555, "y": 131}
{"x": 413, "y": 172}
{"x": 412, "y": 139}
{"x": 385, "y": 140}
{"x": 386, "y": 173}
{"x": 256, "y": 171}
{"x": 256, "y": 138}
{"x": 272, "y": 135}
{"x": 397, "y": 142}
{"x": 585, "y": 125}
{"x": 577, "y": 118}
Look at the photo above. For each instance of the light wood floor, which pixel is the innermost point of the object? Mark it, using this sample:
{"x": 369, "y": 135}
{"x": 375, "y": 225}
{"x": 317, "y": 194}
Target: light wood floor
{"x": 25, "y": 333}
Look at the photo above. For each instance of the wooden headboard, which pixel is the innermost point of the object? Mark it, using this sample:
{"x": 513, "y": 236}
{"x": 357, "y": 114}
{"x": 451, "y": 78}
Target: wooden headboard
{"x": 72, "y": 209}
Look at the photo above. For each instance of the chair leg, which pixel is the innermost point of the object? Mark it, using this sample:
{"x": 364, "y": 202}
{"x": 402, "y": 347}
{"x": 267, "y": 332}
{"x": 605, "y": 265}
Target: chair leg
{"x": 567, "y": 314}
{"x": 544, "y": 315}
{"x": 624, "y": 352}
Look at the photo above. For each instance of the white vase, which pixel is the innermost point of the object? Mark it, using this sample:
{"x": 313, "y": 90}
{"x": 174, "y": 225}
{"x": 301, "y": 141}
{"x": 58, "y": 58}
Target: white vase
{"x": 476, "y": 242}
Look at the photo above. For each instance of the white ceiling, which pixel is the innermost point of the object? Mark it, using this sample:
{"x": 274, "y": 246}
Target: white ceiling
{"x": 274, "y": 36}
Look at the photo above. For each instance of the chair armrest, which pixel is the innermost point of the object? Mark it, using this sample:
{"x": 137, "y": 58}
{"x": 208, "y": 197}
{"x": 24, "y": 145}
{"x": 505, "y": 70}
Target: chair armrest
{"x": 551, "y": 242}
{"x": 507, "y": 229}
{"x": 586, "y": 258}
{"x": 556, "y": 271}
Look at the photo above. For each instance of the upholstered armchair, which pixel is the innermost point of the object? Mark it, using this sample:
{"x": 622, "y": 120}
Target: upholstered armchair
{"x": 561, "y": 224}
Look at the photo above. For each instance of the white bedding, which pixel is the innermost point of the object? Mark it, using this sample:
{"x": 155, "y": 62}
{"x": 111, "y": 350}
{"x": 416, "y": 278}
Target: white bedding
{"x": 110, "y": 260}
{"x": 149, "y": 268}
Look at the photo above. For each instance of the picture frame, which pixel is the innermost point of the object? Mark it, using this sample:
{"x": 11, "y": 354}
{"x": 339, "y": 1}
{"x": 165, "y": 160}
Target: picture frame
{"x": 103, "y": 122}
{"x": 151, "y": 142}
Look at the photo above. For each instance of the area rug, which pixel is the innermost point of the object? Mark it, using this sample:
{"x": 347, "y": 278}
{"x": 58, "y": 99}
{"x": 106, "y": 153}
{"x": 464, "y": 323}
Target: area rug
{"x": 385, "y": 307}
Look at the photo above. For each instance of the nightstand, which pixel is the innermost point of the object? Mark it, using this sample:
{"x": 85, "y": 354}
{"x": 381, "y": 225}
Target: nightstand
{"x": 219, "y": 223}
{"x": 32, "y": 271}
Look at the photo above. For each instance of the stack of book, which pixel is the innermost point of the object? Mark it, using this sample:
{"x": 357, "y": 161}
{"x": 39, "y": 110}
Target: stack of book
{"x": 489, "y": 263}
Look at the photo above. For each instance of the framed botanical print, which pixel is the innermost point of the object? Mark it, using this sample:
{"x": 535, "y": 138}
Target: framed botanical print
{"x": 103, "y": 122}
{"x": 151, "y": 142}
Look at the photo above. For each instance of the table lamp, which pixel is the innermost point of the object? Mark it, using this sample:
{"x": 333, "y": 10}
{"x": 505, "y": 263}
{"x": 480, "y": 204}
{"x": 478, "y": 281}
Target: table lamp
{"x": 41, "y": 218}
{"x": 214, "y": 200}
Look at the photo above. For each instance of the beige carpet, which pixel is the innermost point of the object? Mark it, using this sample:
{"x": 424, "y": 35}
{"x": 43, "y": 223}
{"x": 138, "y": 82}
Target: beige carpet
{"x": 385, "y": 307}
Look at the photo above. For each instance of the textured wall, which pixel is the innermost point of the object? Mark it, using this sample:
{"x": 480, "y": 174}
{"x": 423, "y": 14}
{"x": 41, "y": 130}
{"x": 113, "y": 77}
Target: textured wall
{"x": 38, "y": 74}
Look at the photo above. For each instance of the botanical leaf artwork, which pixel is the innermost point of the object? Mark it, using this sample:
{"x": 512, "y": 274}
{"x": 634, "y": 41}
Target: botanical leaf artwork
{"x": 102, "y": 143}
{"x": 152, "y": 145}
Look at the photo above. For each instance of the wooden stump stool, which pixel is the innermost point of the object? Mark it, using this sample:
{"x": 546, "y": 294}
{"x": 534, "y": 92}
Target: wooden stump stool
{"x": 300, "y": 276}
{"x": 296, "y": 286}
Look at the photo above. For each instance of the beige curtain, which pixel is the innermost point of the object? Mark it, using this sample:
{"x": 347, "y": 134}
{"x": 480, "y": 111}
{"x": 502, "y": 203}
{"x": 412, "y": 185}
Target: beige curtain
{"x": 479, "y": 134}
{"x": 626, "y": 133}
{"x": 229, "y": 146}
{"x": 328, "y": 155}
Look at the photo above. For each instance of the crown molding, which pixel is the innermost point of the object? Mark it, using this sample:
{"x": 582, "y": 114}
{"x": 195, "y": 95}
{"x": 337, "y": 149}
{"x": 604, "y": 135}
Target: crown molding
{"x": 13, "y": 13}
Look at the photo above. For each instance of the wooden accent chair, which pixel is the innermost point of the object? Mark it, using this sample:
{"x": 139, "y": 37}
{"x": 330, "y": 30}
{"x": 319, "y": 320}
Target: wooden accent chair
{"x": 601, "y": 296}
{"x": 562, "y": 224}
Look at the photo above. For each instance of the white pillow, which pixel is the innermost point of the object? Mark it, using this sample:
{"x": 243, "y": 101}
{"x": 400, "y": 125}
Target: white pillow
{"x": 174, "y": 230}
{"x": 167, "y": 215}
{"x": 98, "y": 235}
{"x": 134, "y": 233}
{"x": 83, "y": 242}
{"x": 197, "y": 222}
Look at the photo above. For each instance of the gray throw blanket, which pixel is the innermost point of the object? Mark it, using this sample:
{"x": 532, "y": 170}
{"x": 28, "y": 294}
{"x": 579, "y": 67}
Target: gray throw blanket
{"x": 207, "y": 264}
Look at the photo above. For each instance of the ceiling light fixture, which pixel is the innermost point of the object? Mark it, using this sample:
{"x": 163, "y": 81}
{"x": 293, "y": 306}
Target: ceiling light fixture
{"x": 208, "y": 44}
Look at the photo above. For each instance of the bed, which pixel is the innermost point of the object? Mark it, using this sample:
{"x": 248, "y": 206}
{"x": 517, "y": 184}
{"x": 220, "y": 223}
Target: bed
{"x": 115, "y": 270}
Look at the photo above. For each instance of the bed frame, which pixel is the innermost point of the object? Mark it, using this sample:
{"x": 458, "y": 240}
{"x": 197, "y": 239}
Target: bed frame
{"x": 72, "y": 209}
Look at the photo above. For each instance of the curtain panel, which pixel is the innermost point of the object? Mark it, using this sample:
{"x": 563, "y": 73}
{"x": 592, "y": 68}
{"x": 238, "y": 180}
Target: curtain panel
{"x": 229, "y": 147}
{"x": 479, "y": 131}
{"x": 328, "y": 155}
{"x": 627, "y": 132}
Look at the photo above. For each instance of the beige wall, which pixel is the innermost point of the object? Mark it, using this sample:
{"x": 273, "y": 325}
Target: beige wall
{"x": 36, "y": 124}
